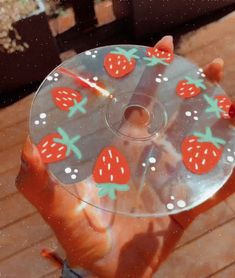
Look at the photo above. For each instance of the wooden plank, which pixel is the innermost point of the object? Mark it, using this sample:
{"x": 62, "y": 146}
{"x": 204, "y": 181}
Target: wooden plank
{"x": 10, "y": 158}
{"x": 13, "y": 208}
{"x": 207, "y": 221}
{"x": 202, "y": 257}
{"x": 13, "y": 135}
{"x": 54, "y": 274}
{"x": 16, "y": 112}
{"x": 7, "y": 182}
{"x": 227, "y": 272}
{"x": 29, "y": 263}
{"x": 22, "y": 235}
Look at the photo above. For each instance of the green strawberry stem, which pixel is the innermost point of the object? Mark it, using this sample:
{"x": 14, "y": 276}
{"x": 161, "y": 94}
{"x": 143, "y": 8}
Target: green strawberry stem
{"x": 208, "y": 137}
{"x": 110, "y": 188}
{"x": 197, "y": 82}
{"x": 69, "y": 143}
{"x": 214, "y": 107}
{"x": 78, "y": 106}
{"x": 155, "y": 61}
{"x": 129, "y": 54}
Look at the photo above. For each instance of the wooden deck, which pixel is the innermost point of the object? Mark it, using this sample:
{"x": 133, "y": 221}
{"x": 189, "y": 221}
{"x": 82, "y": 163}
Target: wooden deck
{"x": 207, "y": 248}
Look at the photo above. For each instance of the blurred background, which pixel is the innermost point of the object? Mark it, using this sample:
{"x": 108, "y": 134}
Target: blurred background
{"x": 36, "y": 36}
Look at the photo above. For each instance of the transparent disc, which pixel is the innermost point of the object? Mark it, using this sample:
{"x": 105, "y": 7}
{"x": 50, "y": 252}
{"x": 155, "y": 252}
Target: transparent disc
{"x": 128, "y": 131}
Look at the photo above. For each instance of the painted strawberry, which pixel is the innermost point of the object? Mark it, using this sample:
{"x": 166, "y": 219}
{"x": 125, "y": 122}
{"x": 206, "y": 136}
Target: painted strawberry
{"x": 57, "y": 146}
{"x": 111, "y": 172}
{"x": 69, "y": 100}
{"x": 167, "y": 56}
{"x": 202, "y": 152}
{"x": 220, "y": 105}
{"x": 120, "y": 62}
{"x": 190, "y": 87}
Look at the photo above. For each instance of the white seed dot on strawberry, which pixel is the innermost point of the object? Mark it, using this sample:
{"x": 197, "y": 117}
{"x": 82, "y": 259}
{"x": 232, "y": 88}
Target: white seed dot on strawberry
{"x": 188, "y": 113}
{"x": 68, "y": 170}
{"x": 56, "y": 74}
{"x": 165, "y": 78}
{"x": 191, "y": 140}
{"x": 196, "y": 166}
{"x": 163, "y": 52}
{"x": 124, "y": 67}
{"x": 214, "y": 153}
{"x": 64, "y": 104}
{"x": 95, "y": 78}
{"x": 119, "y": 62}
{"x": 44, "y": 122}
{"x": 181, "y": 89}
{"x": 203, "y": 161}
{"x": 36, "y": 122}
{"x": 192, "y": 93}
{"x": 122, "y": 170}
{"x": 206, "y": 151}
{"x": 198, "y": 147}
{"x": 43, "y": 115}
{"x": 93, "y": 56}
{"x": 172, "y": 197}
{"x": 95, "y": 51}
{"x": 195, "y": 118}
{"x": 117, "y": 72}
{"x": 100, "y": 172}
{"x": 230, "y": 158}
{"x": 75, "y": 170}
{"x": 49, "y": 155}
{"x": 229, "y": 150}
{"x": 45, "y": 144}
{"x": 43, "y": 151}
{"x": 58, "y": 99}
{"x": 73, "y": 176}
{"x": 109, "y": 166}
{"x": 169, "y": 54}
{"x": 59, "y": 155}
{"x": 190, "y": 159}
{"x": 117, "y": 159}
{"x": 181, "y": 203}
{"x": 195, "y": 112}
{"x": 197, "y": 154}
{"x": 143, "y": 164}
{"x": 152, "y": 159}
{"x": 203, "y": 75}
{"x": 56, "y": 79}
{"x": 189, "y": 149}
{"x": 153, "y": 169}
{"x": 200, "y": 69}
{"x": 118, "y": 57}
{"x": 111, "y": 177}
{"x": 159, "y": 74}
{"x": 103, "y": 158}
{"x": 111, "y": 66}
{"x": 170, "y": 206}
{"x": 110, "y": 154}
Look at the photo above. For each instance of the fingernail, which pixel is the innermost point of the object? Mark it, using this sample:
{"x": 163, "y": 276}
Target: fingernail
{"x": 219, "y": 61}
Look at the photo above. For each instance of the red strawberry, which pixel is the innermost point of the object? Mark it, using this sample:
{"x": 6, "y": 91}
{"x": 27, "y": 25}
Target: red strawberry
{"x": 57, "y": 146}
{"x": 202, "y": 152}
{"x": 220, "y": 105}
{"x": 189, "y": 87}
{"x": 120, "y": 62}
{"x": 69, "y": 100}
{"x": 160, "y": 53}
{"x": 111, "y": 172}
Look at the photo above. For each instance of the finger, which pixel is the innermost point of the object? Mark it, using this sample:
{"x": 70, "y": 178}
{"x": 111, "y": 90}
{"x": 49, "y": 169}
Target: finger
{"x": 215, "y": 70}
{"x": 166, "y": 43}
{"x": 33, "y": 174}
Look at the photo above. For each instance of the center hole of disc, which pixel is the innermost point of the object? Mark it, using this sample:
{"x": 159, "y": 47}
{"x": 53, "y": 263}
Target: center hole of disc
{"x": 137, "y": 115}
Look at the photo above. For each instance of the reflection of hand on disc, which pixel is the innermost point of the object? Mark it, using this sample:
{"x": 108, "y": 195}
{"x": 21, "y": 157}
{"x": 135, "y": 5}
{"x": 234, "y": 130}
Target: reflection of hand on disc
{"x": 105, "y": 245}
